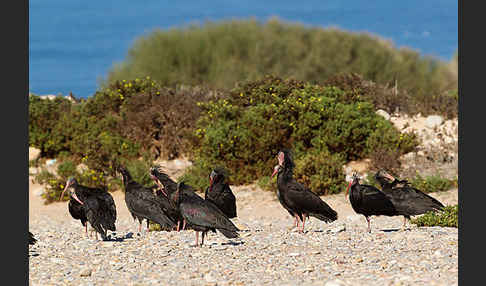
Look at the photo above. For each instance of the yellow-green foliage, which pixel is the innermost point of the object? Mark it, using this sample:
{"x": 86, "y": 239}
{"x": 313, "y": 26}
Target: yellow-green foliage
{"x": 445, "y": 218}
{"x": 221, "y": 54}
{"x": 245, "y": 130}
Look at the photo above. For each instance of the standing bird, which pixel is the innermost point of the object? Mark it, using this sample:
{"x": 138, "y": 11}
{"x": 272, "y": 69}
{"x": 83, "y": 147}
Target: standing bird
{"x": 220, "y": 193}
{"x": 298, "y": 200}
{"x": 143, "y": 203}
{"x": 368, "y": 200}
{"x": 98, "y": 205}
{"x": 32, "y": 239}
{"x": 168, "y": 187}
{"x": 407, "y": 200}
{"x": 202, "y": 215}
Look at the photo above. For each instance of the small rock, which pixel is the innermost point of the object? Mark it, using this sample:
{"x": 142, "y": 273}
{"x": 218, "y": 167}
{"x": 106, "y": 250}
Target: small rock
{"x": 50, "y": 162}
{"x": 33, "y": 170}
{"x": 85, "y": 272}
{"x": 336, "y": 282}
{"x": 338, "y": 228}
{"x": 209, "y": 278}
{"x": 34, "y": 153}
{"x": 39, "y": 192}
{"x": 383, "y": 113}
{"x": 434, "y": 121}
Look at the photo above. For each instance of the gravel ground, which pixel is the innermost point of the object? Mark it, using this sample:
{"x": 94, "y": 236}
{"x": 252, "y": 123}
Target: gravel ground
{"x": 269, "y": 252}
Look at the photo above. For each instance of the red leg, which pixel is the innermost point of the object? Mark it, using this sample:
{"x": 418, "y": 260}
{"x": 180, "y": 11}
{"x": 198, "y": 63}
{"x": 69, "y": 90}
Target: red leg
{"x": 184, "y": 225}
{"x": 303, "y": 222}
{"x": 197, "y": 238}
{"x": 369, "y": 226}
{"x": 140, "y": 227}
{"x": 178, "y": 225}
{"x": 298, "y": 220}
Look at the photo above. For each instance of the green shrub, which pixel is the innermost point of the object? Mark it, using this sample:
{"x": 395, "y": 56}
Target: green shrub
{"x": 45, "y": 125}
{"x": 245, "y": 130}
{"x": 221, "y": 54}
{"x": 445, "y": 218}
{"x": 321, "y": 172}
{"x": 434, "y": 183}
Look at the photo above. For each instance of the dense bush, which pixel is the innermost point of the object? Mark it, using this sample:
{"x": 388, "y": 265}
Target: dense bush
{"x": 245, "y": 130}
{"x": 446, "y": 218}
{"x": 221, "y": 54}
{"x": 394, "y": 99}
{"x": 126, "y": 120}
{"x": 430, "y": 184}
{"x": 45, "y": 125}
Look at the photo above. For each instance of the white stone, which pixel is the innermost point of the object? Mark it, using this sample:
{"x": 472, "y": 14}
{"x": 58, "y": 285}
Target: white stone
{"x": 34, "y": 153}
{"x": 336, "y": 282}
{"x": 383, "y": 113}
{"x": 434, "y": 121}
{"x": 39, "y": 192}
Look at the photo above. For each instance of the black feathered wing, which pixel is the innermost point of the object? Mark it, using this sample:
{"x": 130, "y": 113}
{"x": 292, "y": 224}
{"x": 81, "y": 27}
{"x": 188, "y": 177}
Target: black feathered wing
{"x": 203, "y": 214}
{"x": 222, "y": 196}
{"x": 410, "y": 201}
{"x": 368, "y": 200}
{"x": 305, "y": 201}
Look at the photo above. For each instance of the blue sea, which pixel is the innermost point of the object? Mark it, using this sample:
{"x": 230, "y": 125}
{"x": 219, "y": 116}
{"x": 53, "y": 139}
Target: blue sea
{"x": 73, "y": 44}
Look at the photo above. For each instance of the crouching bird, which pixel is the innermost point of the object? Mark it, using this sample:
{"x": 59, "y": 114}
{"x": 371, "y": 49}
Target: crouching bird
{"x": 98, "y": 206}
{"x": 407, "y": 200}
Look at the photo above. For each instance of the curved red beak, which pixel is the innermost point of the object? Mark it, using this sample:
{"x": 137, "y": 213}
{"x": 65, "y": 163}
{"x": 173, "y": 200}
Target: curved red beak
{"x": 159, "y": 184}
{"x": 349, "y": 186}
{"x": 62, "y": 194}
{"x": 73, "y": 195}
{"x": 275, "y": 171}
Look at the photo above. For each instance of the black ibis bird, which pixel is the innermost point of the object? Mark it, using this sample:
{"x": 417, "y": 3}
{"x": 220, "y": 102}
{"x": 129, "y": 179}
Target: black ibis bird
{"x": 202, "y": 215}
{"x": 32, "y": 239}
{"x": 169, "y": 187}
{"x": 298, "y": 200}
{"x": 407, "y": 200}
{"x": 143, "y": 203}
{"x": 77, "y": 212}
{"x": 220, "y": 193}
{"x": 368, "y": 200}
{"x": 98, "y": 205}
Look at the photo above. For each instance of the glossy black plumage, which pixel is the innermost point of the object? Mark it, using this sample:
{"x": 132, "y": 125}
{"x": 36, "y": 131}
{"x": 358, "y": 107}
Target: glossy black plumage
{"x": 203, "y": 215}
{"x": 77, "y": 212}
{"x": 220, "y": 193}
{"x": 143, "y": 202}
{"x": 168, "y": 187}
{"x": 407, "y": 200}
{"x": 298, "y": 200}
{"x": 368, "y": 200}
{"x": 32, "y": 239}
{"x": 98, "y": 205}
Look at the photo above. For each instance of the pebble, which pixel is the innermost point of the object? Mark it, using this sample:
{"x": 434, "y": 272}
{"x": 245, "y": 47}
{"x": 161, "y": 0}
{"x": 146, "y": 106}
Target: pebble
{"x": 85, "y": 273}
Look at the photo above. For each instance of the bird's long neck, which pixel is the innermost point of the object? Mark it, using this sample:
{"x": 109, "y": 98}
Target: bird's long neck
{"x": 286, "y": 175}
{"x": 127, "y": 178}
{"x": 169, "y": 185}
